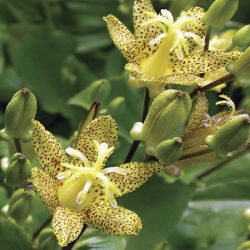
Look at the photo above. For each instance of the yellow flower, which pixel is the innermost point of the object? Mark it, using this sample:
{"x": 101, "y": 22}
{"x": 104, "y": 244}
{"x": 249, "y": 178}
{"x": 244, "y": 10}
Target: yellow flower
{"x": 163, "y": 51}
{"x": 78, "y": 189}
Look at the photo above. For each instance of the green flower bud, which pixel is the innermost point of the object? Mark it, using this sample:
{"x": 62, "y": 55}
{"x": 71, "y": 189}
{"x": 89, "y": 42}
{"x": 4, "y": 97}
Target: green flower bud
{"x": 246, "y": 214}
{"x": 244, "y": 246}
{"x": 241, "y": 38}
{"x": 18, "y": 115}
{"x": 166, "y": 119}
{"x": 220, "y": 12}
{"x": 18, "y": 170}
{"x": 241, "y": 68}
{"x": 116, "y": 106}
{"x": 47, "y": 240}
{"x": 230, "y": 136}
{"x": 169, "y": 151}
{"x": 20, "y": 205}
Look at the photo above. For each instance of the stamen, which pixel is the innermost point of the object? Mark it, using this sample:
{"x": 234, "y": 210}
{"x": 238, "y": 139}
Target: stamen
{"x": 166, "y": 23}
{"x": 228, "y": 102}
{"x": 82, "y": 194}
{"x": 167, "y": 14}
{"x": 116, "y": 170}
{"x": 158, "y": 39}
{"x": 77, "y": 155}
{"x": 64, "y": 175}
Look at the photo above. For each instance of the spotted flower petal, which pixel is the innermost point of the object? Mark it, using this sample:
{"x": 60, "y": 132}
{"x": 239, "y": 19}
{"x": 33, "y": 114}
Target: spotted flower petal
{"x": 198, "y": 113}
{"x": 179, "y": 78}
{"x": 205, "y": 61}
{"x": 103, "y": 130}
{"x": 136, "y": 174}
{"x": 123, "y": 38}
{"x": 118, "y": 220}
{"x": 144, "y": 33}
{"x": 48, "y": 150}
{"x": 46, "y": 186}
{"x": 67, "y": 225}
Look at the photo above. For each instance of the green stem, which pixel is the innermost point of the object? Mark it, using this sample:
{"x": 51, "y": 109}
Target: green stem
{"x": 222, "y": 164}
{"x": 224, "y": 79}
{"x": 135, "y": 144}
{"x": 18, "y": 145}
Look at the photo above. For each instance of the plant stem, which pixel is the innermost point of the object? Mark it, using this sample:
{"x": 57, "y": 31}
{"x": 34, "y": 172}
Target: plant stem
{"x": 42, "y": 226}
{"x": 135, "y": 144}
{"x": 18, "y": 145}
{"x": 226, "y": 78}
{"x": 207, "y": 39}
{"x": 222, "y": 164}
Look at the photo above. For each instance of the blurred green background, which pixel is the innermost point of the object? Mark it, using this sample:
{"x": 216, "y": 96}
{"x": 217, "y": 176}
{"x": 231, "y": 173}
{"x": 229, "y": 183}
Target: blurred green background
{"x": 61, "y": 50}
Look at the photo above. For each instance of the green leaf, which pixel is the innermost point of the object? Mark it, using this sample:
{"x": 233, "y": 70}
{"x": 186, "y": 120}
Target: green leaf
{"x": 92, "y": 42}
{"x": 230, "y": 182}
{"x": 38, "y": 54}
{"x": 12, "y": 236}
{"x": 211, "y": 225}
{"x": 160, "y": 206}
{"x": 96, "y": 240}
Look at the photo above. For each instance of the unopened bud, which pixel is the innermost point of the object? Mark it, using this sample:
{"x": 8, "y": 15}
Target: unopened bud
{"x": 172, "y": 170}
{"x": 169, "y": 151}
{"x": 97, "y": 91}
{"x": 166, "y": 119}
{"x": 241, "y": 38}
{"x": 247, "y": 214}
{"x": 47, "y": 240}
{"x": 230, "y": 136}
{"x": 241, "y": 68}
{"x": 244, "y": 246}
{"x": 20, "y": 205}
{"x": 116, "y": 106}
{"x": 220, "y": 12}
{"x": 18, "y": 170}
{"x": 18, "y": 115}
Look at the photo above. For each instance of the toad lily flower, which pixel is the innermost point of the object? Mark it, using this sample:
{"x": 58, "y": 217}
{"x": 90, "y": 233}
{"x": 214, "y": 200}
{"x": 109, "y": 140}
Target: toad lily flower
{"x": 80, "y": 190}
{"x": 163, "y": 51}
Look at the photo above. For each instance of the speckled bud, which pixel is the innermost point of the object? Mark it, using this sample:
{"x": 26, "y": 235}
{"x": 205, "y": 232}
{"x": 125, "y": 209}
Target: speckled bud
{"x": 242, "y": 37}
{"x": 220, "y": 12}
{"x": 230, "y": 136}
{"x": 166, "y": 119}
{"x": 241, "y": 68}
{"x": 20, "y": 205}
{"x": 47, "y": 240}
{"x": 169, "y": 151}
{"x": 18, "y": 115}
{"x": 18, "y": 170}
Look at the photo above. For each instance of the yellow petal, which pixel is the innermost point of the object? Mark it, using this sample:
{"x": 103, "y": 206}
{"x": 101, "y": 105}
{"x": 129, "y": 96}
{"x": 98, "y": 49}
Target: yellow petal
{"x": 202, "y": 62}
{"x": 144, "y": 34}
{"x": 196, "y": 26}
{"x": 46, "y": 186}
{"x": 102, "y": 129}
{"x": 198, "y": 113}
{"x": 67, "y": 225}
{"x": 146, "y": 80}
{"x": 118, "y": 220}
{"x": 136, "y": 174}
{"x": 122, "y": 38}
{"x": 48, "y": 150}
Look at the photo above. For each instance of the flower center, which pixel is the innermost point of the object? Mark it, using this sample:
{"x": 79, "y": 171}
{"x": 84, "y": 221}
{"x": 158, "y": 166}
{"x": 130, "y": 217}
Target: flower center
{"x": 83, "y": 183}
{"x": 173, "y": 30}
